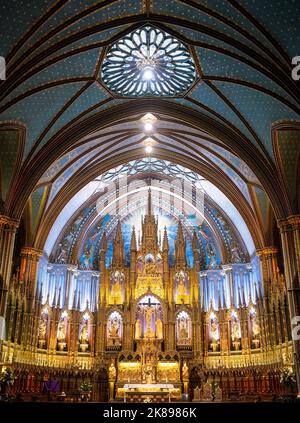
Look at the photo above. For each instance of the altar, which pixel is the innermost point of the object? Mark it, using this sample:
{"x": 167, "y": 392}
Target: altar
{"x": 148, "y": 392}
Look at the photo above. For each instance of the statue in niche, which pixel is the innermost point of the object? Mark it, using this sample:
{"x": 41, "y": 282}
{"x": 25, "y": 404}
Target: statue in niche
{"x": 61, "y": 332}
{"x": 185, "y": 372}
{"x": 211, "y": 254}
{"x": 86, "y": 257}
{"x": 235, "y": 330}
{"x": 42, "y": 330}
{"x": 62, "y": 255}
{"x": 159, "y": 329}
{"x": 84, "y": 336}
{"x": 149, "y": 332}
{"x": 138, "y": 330}
{"x": 112, "y": 372}
{"x": 235, "y": 254}
{"x": 255, "y": 328}
{"x": 181, "y": 287}
{"x": 42, "y": 333}
{"x": 214, "y": 331}
{"x": 150, "y": 267}
{"x": 114, "y": 328}
{"x": 116, "y": 296}
{"x": 183, "y": 329}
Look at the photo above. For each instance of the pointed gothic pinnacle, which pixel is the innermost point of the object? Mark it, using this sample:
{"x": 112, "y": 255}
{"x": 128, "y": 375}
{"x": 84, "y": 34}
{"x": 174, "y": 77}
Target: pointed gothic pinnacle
{"x": 149, "y": 202}
{"x": 103, "y": 242}
{"x": 180, "y": 232}
{"x": 195, "y": 244}
{"x": 118, "y": 236}
{"x": 165, "y": 245}
{"x": 133, "y": 240}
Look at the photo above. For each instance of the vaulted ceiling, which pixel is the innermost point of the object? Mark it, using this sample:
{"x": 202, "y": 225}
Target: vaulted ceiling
{"x": 237, "y": 126}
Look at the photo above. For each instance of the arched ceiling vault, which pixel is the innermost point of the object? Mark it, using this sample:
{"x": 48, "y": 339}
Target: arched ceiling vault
{"x": 264, "y": 170}
{"x": 232, "y": 125}
{"x": 88, "y": 174}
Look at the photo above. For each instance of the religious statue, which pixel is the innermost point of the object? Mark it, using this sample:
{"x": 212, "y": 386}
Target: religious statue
{"x": 114, "y": 328}
{"x": 185, "y": 372}
{"x": 61, "y": 335}
{"x": 116, "y": 293}
{"x": 61, "y": 254}
{"x": 211, "y": 254}
{"x": 112, "y": 372}
{"x": 255, "y": 333}
{"x": 84, "y": 336}
{"x": 183, "y": 331}
{"x": 42, "y": 330}
{"x": 159, "y": 329}
{"x": 235, "y": 331}
{"x": 138, "y": 330}
{"x": 235, "y": 254}
{"x": 150, "y": 267}
{"x": 61, "y": 332}
{"x": 42, "y": 333}
{"x": 255, "y": 328}
{"x": 181, "y": 287}
{"x": 214, "y": 331}
{"x": 181, "y": 292}
{"x": 149, "y": 332}
{"x": 86, "y": 257}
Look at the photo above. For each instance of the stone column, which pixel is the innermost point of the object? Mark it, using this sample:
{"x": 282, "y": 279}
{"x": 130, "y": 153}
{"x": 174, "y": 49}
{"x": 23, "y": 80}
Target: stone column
{"x": 290, "y": 237}
{"x": 28, "y": 269}
{"x": 28, "y": 278}
{"x": 8, "y": 229}
{"x": 268, "y": 260}
{"x": 227, "y": 273}
{"x": 72, "y": 271}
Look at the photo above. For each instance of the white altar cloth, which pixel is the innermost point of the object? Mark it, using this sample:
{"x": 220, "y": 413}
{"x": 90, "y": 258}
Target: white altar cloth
{"x": 149, "y": 385}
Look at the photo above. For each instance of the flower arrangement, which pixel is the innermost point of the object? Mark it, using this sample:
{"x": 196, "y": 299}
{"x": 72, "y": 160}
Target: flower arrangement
{"x": 86, "y": 387}
{"x": 7, "y": 379}
{"x": 287, "y": 376}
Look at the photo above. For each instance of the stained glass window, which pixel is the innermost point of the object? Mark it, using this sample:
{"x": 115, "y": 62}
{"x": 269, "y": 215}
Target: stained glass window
{"x": 148, "y": 62}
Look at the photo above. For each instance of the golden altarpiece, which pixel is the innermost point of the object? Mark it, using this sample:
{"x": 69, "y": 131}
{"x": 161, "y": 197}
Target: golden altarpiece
{"x": 148, "y": 313}
{"x": 155, "y": 329}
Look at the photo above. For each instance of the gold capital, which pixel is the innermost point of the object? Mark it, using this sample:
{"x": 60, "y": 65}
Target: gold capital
{"x": 8, "y": 221}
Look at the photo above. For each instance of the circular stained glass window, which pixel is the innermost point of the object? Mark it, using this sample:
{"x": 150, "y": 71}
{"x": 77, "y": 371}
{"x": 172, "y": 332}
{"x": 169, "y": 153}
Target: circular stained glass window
{"x": 148, "y": 62}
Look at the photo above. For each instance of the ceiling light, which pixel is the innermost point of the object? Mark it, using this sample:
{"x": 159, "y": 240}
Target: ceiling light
{"x": 149, "y": 143}
{"x": 148, "y": 121}
{"x": 148, "y": 73}
{"x": 148, "y": 126}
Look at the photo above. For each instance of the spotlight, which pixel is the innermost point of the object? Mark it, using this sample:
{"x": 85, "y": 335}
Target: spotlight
{"x": 149, "y": 149}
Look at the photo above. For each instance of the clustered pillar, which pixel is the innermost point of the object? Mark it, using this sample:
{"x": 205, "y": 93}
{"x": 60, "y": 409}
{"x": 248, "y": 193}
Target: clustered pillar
{"x": 8, "y": 228}
{"x": 290, "y": 237}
